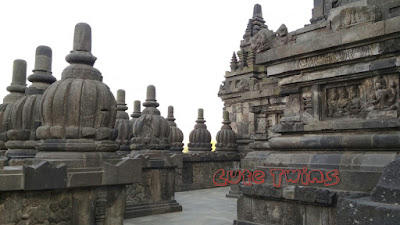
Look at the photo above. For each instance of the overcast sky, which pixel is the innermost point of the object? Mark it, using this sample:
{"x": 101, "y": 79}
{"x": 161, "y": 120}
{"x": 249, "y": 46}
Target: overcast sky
{"x": 183, "y": 47}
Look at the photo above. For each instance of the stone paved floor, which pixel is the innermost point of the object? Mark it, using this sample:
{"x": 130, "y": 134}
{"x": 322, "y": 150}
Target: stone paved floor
{"x": 202, "y": 207}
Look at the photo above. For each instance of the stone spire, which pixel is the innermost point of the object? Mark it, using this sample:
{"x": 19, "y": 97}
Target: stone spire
{"x": 123, "y": 125}
{"x": 135, "y": 114}
{"x": 257, "y": 20}
{"x": 257, "y": 12}
{"x": 226, "y": 137}
{"x": 234, "y": 63}
{"x": 136, "y": 110}
{"x": 79, "y": 111}
{"x": 151, "y": 130}
{"x": 121, "y": 105}
{"x": 42, "y": 76}
{"x": 255, "y": 24}
{"x": 17, "y": 90}
{"x": 176, "y": 134}
{"x": 200, "y": 137}
{"x": 25, "y": 115}
{"x": 18, "y": 84}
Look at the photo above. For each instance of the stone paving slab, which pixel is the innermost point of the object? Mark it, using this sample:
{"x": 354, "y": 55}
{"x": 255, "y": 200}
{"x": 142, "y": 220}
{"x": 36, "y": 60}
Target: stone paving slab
{"x": 200, "y": 207}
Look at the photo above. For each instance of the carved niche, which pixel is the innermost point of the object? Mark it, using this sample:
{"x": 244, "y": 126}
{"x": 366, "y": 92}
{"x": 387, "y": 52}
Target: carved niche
{"x": 344, "y": 101}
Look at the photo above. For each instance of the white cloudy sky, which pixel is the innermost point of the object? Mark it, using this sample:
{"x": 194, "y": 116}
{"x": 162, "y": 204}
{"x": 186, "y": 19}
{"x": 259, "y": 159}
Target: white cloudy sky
{"x": 183, "y": 47}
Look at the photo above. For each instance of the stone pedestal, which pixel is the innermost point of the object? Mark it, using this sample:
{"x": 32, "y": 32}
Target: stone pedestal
{"x": 53, "y": 193}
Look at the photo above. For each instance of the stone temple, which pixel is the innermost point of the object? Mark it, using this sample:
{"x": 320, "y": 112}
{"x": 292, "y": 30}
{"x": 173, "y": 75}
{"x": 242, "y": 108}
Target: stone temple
{"x": 310, "y": 133}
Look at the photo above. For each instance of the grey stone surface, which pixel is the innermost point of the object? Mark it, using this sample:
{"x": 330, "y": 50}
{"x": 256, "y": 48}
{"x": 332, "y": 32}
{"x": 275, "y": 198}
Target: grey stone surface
{"x": 226, "y": 137}
{"x": 25, "y": 116}
{"x": 176, "y": 135}
{"x": 151, "y": 131}
{"x": 200, "y": 207}
{"x": 200, "y": 137}
{"x": 122, "y": 124}
{"x": 324, "y": 97}
{"x": 85, "y": 124}
{"x": 16, "y": 91}
{"x": 198, "y": 170}
{"x": 388, "y": 188}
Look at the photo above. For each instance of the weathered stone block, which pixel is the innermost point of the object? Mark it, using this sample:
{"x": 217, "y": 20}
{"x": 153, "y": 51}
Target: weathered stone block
{"x": 44, "y": 176}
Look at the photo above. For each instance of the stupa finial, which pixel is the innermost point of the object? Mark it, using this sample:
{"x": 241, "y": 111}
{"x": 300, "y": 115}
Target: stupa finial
{"x": 42, "y": 76}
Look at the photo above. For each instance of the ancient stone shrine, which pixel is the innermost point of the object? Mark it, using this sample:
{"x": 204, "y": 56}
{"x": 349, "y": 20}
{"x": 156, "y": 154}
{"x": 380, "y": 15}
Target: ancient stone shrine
{"x": 17, "y": 90}
{"x": 76, "y": 177}
{"x": 317, "y": 110}
{"x": 309, "y": 136}
{"x": 25, "y": 116}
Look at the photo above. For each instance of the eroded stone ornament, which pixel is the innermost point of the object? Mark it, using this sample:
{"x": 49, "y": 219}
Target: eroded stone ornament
{"x": 17, "y": 91}
{"x": 226, "y": 137}
{"x": 79, "y": 111}
{"x": 176, "y": 134}
{"x": 200, "y": 137}
{"x": 26, "y": 113}
{"x": 151, "y": 130}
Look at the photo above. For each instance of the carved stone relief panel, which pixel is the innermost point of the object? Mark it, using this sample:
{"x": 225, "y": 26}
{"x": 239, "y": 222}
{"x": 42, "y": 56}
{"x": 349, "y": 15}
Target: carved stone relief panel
{"x": 346, "y": 100}
{"x": 374, "y": 97}
{"x": 383, "y": 96}
{"x": 353, "y": 16}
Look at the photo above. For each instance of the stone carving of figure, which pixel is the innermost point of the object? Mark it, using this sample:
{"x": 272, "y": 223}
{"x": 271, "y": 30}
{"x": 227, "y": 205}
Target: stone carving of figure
{"x": 243, "y": 85}
{"x": 384, "y": 98}
{"x": 342, "y": 103}
{"x": 282, "y": 31}
{"x": 222, "y": 88}
{"x": 355, "y": 101}
{"x": 332, "y": 102}
{"x": 262, "y": 41}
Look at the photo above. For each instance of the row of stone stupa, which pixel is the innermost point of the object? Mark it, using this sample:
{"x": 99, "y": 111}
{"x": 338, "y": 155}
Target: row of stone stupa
{"x": 80, "y": 114}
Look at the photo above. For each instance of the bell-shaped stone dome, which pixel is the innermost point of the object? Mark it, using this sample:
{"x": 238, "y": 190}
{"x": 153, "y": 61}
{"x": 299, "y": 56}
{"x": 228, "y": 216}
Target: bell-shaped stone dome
{"x": 17, "y": 91}
{"x": 123, "y": 125}
{"x": 25, "y": 115}
{"x": 79, "y": 111}
{"x": 200, "y": 137}
{"x": 151, "y": 130}
{"x": 176, "y": 135}
{"x": 226, "y": 137}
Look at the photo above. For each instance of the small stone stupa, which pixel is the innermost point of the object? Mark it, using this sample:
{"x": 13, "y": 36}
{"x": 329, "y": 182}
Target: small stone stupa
{"x": 79, "y": 111}
{"x": 151, "y": 131}
{"x": 17, "y": 91}
{"x": 25, "y": 115}
{"x": 226, "y": 137}
{"x": 176, "y": 134}
{"x": 200, "y": 137}
{"x": 123, "y": 125}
